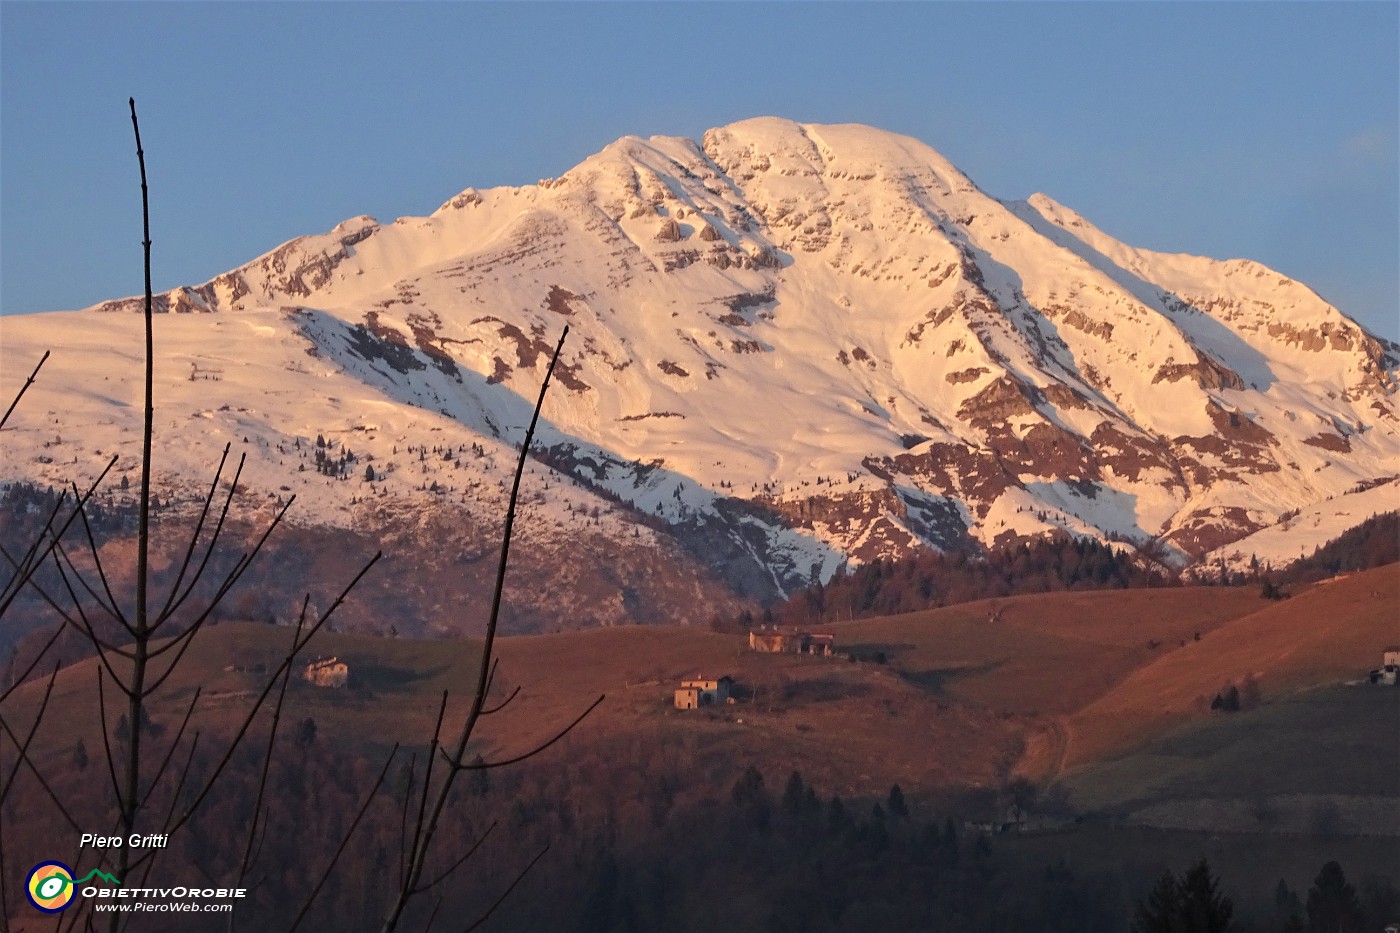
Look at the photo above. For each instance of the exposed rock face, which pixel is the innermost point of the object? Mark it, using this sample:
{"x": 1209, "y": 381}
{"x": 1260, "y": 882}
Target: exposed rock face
{"x": 793, "y": 345}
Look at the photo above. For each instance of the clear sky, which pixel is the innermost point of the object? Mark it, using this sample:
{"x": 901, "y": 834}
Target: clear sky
{"x": 1260, "y": 130}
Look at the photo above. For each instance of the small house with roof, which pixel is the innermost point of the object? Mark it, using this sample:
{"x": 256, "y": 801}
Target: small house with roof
{"x": 1388, "y": 674}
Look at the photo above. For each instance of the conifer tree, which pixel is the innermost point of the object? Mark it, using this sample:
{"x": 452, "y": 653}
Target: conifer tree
{"x": 1332, "y": 903}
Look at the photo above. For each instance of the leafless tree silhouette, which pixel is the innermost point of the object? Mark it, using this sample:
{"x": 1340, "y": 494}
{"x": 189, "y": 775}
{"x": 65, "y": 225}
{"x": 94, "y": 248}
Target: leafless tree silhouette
{"x": 150, "y": 641}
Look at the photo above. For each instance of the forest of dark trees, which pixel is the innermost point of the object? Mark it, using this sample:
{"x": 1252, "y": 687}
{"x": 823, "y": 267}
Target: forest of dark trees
{"x": 931, "y": 579}
{"x": 642, "y": 836}
{"x": 1373, "y": 543}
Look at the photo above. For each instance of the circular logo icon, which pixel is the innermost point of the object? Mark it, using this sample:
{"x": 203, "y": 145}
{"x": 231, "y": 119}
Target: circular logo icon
{"x": 50, "y": 886}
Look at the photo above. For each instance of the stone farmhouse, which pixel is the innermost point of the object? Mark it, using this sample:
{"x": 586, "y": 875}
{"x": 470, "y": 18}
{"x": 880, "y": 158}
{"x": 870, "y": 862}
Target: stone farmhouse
{"x": 326, "y": 672}
{"x": 703, "y": 691}
{"x": 792, "y": 641}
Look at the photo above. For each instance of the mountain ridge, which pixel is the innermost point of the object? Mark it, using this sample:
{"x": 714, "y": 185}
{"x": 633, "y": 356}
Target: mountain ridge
{"x": 804, "y": 345}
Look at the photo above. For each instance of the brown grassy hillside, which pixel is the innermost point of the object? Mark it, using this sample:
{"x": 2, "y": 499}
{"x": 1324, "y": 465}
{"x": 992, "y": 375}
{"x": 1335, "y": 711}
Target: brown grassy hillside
{"x": 1057, "y": 679}
{"x": 1328, "y": 633}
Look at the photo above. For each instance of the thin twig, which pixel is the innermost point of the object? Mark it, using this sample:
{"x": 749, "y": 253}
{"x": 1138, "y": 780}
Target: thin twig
{"x": 175, "y": 743}
{"x": 424, "y": 833}
{"x": 24, "y": 388}
{"x": 257, "y": 704}
{"x": 58, "y": 630}
{"x": 34, "y": 770}
{"x": 194, "y": 535}
{"x": 111, "y": 604}
{"x": 481, "y": 766}
{"x": 106, "y": 742}
{"x": 460, "y": 862}
{"x": 267, "y": 755}
{"x": 418, "y": 824}
{"x": 234, "y": 574}
{"x": 345, "y": 841}
{"x": 506, "y": 893}
{"x": 24, "y": 748}
{"x": 60, "y": 557}
{"x": 503, "y": 704}
{"x": 403, "y": 814}
{"x": 32, "y": 560}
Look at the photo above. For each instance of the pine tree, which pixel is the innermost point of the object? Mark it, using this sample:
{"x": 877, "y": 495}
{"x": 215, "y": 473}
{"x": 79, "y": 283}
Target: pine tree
{"x": 1191, "y": 904}
{"x": 793, "y": 795}
{"x": 306, "y": 732}
{"x": 1159, "y": 913}
{"x": 897, "y": 806}
{"x": 1288, "y": 909}
{"x": 1204, "y": 908}
{"x": 1332, "y": 903}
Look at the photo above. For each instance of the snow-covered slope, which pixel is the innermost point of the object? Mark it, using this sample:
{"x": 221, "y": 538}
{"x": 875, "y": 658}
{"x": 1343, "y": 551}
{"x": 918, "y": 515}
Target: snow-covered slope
{"x": 1296, "y": 535}
{"x": 790, "y": 346}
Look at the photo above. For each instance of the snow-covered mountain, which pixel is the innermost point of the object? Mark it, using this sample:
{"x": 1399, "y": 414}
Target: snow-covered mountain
{"x": 790, "y": 346}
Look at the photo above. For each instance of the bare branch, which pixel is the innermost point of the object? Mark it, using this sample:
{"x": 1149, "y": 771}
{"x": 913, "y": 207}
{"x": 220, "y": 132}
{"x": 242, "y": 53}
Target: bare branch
{"x": 60, "y": 557}
{"x": 180, "y": 785}
{"x": 5, "y": 726}
{"x": 28, "y": 563}
{"x": 24, "y": 388}
{"x": 459, "y": 863}
{"x": 267, "y": 755}
{"x": 424, "y": 833}
{"x": 106, "y": 742}
{"x": 127, "y": 797}
{"x": 24, "y": 748}
{"x": 194, "y": 535}
{"x": 502, "y": 705}
{"x": 345, "y": 841}
{"x": 86, "y": 627}
{"x": 231, "y": 579}
{"x": 112, "y": 605}
{"x": 427, "y": 783}
{"x": 460, "y": 766}
{"x": 432, "y": 915}
{"x": 403, "y": 815}
{"x": 175, "y": 743}
{"x": 21, "y": 678}
{"x": 506, "y": 893}
{"x": 267, "y": 689}
{"x": 32, "y": 559}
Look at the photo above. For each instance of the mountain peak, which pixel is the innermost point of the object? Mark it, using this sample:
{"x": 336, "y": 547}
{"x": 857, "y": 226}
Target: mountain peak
{"x": 825, "y": 337}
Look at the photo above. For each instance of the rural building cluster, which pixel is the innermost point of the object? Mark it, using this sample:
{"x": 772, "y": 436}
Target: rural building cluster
{"x": 792, "y": 641}
{"x": 326, "y": 672}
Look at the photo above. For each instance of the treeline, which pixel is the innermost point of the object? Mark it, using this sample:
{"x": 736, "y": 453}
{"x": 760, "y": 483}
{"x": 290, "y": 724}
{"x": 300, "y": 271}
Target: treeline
{"x": 929, "y": 580}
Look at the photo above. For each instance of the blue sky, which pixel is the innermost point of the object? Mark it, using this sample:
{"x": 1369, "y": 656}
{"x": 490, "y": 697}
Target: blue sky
{"x": 1259, "y": 130}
